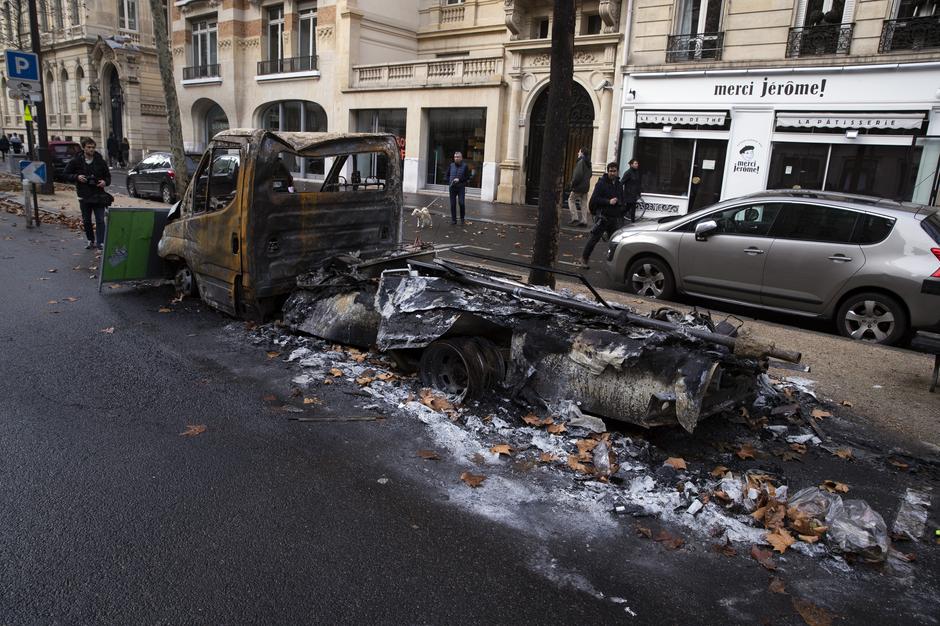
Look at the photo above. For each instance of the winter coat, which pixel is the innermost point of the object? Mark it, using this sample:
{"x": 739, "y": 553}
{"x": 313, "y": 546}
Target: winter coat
{"x": 16, "y": 143}
{"x": 460, "y": 172}
{"x": 4, "y": 144}
{"x": 97, "y": 169}
{"x": 604, "y": 190}
{"x": 581, "y": 177}
{"x": 125, "y": 150}
{"x": 631, "y": 185}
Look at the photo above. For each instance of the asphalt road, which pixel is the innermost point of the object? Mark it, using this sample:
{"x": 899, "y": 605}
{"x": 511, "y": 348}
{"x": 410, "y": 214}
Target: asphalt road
{"x": 110, "y": 516}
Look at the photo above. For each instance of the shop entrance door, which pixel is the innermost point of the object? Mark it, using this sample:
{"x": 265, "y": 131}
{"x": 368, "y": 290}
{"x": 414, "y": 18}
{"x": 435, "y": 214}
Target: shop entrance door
{"x": 580, "y": 135}
{"x": 708, "y": 170}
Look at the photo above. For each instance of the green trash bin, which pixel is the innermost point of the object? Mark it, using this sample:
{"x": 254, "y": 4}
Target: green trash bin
{"x": 130, "y": 245}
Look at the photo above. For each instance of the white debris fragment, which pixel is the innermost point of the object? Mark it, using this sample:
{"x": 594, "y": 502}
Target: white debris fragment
{"x": 695, "y": 507}
{"x": 802, "y": 439}
{"x": 303, "y": 380}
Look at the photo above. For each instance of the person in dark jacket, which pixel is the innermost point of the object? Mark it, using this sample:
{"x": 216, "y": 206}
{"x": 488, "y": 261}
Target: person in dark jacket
{"x": 580, "y": 183}
{"x": 91, "y": 175}
{"x": 631, "y": 189}
{"x": 458, "y": 175}
{"x": 16, "y": 143}
{"x": 607, "y": 209}
{"x": 114, "y": 150}
{"x": 125, "y": 152}
{"x": 4, "y": 145}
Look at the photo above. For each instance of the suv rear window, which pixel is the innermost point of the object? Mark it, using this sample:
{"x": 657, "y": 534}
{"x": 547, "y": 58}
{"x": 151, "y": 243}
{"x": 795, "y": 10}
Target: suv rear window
{"x": 66, "y": 149}
{"x": 872, "y": 229}
{"x": 932, "y": 225}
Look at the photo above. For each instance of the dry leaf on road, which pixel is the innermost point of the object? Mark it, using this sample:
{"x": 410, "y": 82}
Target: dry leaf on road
{"x": 669, "y": 541}
{"x": 429, "y": 455}
{"x": 336, "y": 372}
{"x": 435, "y": 402}
{"x": 164, "y": 309}
{"x": 71, "y": 299}
{"x": 780, "y": 539}
{"x": 719, "y": 471}
{"x": 502, "y": 448}
{"x": 846, "y": 403}
{"x": 362, "y": 381}
{"x": 764, "y": 557}
{"x": 575, "y": 464}
{"x": 193, "y": 430}
{"x": 901, "y": 465}
{"x": 843, "y": 453}
{"x": 813, "y": 615}
{"x": 676, "y": 463}
{"x": 777, "y": 585}
{"x": 534, "y": 420}
{"x": 725, "y": 548}
{"x": 273, "y": 355}
{"x": 746, "y": 451}
{"x": 547, "y": 457}
{"x": 474, "y": 480}
{"x": 820, "y": 414}
{"x": 313, "y": 400}
{"x": 834, "y": 487}
{"x": 556, "y": 429}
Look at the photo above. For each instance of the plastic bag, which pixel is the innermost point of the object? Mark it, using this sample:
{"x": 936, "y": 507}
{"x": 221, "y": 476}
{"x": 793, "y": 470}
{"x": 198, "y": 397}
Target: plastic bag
{"x": 813, "y": 502}
{"x": 912, "y": 515}
{"x": 856, "y": 527}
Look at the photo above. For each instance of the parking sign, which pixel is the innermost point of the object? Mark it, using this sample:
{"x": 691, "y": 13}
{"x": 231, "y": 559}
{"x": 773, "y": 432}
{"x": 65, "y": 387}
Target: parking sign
{"x": 22, "y": 66}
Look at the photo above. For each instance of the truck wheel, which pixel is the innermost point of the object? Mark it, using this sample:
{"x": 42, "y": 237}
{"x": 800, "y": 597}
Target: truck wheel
{"x": 185, "y": 282}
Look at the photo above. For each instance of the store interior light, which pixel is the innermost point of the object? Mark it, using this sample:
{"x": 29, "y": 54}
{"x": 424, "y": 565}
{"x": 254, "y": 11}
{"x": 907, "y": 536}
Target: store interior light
{"x": 851, "y": 133}
{"x": 667, "y": 129}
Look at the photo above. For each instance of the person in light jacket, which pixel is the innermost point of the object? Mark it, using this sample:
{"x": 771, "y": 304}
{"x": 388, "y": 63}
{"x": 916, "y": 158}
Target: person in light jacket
{"x": 580, "y": 183}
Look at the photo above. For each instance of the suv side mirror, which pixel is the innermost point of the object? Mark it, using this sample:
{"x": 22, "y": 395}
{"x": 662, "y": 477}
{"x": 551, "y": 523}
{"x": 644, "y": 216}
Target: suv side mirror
{"x": 703, "y": 229}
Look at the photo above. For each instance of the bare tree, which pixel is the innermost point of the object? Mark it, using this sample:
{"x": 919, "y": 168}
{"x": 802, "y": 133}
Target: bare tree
{"x": 551, "y": 176}
{"x": 165, "y": 60}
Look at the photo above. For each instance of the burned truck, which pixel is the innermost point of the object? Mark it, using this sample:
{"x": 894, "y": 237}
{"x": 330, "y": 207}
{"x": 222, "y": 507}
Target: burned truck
{"x": 246, "y": 227}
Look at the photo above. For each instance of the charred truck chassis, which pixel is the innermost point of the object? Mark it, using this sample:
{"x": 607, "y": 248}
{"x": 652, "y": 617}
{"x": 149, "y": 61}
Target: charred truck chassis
{"x": 470, "y": 333}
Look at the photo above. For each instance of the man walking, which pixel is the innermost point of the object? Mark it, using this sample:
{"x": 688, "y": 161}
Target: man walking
{"x": 580, "y": 182}
{"x": 631, "y": 188}
{"x": 459, "y": 175}
{"x": 607, "y": 208}
{"x": 16, "y": 143}
{"x": 114, "y": 150}
{"x": 91, "y": 175}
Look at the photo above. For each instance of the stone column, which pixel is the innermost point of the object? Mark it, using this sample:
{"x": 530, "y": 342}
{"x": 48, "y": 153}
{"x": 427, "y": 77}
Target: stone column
{"x": 509, "y": 168}
{"x": 604, "y": 141}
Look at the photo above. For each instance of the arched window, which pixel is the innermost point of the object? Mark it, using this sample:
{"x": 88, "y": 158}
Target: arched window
{"x": 64, "y": 91}
{"x": 216, "y": 122}
{"x": 50, "y": 92}
{"x": 296, "y": 116}
{"x": 79, "y": 90}
{"x": 75, "y": 15}
{"x": 58, "y": 15}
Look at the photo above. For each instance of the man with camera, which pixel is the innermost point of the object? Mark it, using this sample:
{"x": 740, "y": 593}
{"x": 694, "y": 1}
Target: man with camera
{"x": 91, "y": 175}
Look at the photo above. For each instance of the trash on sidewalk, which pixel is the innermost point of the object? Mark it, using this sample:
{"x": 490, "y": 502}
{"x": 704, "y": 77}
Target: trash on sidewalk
{"x": 855, "y": 527}
{"x": 911, "y": 519}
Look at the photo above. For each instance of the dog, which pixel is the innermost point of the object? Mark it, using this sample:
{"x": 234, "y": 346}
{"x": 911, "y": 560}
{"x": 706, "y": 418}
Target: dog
{"x": 424, "y": 217}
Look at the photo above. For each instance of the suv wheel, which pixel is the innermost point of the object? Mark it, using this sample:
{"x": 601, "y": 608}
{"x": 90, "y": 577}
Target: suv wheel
{"x": 873, "y": 317}
{"x": 651, "y": 277}
{"x": 166, "y": 194}
{"x": 132, "y": 189}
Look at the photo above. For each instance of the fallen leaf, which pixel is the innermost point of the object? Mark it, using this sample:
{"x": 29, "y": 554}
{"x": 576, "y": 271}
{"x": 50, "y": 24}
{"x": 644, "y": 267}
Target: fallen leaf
{"x": 719, "y": 471}
{"x": 70, "y": 299}
{"x": 386, "y": 376}
{"x": 777, "y": 585}
{"x": 808, "y": 538}
{"x": 164, "y": 309}
{"x": 435, "y": 402}
{"x": 547, "y": 457}
{"x": 271, "y": 355}
{"x": 722, "y": 497}
{"x": 812, "y": 614}
{"x": 556, "y": 429}
{"x": 193, "y": 430}
{"x": 502, "y": 448}
{"x": 676, "y": 463}
{"x": 429, "y": 455}
{"x": 643, "y": 531}
{"x": 764, "y": 557}
{"x": 901, "y": 465}
{"x": 725, "y": 549}
{"x": 109, "y": 330}
{"x": 575, "y": 464}
{"x": 336, "y": 372}
{"x": 362, "y": 381}
{"x": 269, "y": 397}
{"x": 834, "y": 487}
{"x": 843, "y": 453}
{"x": 846, "y": 403}
{"x": 312, "y": 400}
{"x": 798, "y": 448}
{"x": 789, "y": 455}
{"x": 820, "y": 414}
{"x": 586, "y": 445}
{"x": 746, "y": 452}
{"x": 327, "y": 381}
{"x": 534, "y": 420}
{"x": 669, "y": 541}
{"x": 474, "y": 480}
{"x": 780, "y": 539}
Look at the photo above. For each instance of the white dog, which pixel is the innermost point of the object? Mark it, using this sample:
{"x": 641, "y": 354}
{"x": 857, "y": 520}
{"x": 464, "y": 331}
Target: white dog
{"x": 424, "y": 217}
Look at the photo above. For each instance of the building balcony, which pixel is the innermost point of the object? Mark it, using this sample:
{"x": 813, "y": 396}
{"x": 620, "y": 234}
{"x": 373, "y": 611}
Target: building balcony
{"x": 913, "y": 33}
{"x": 451, "y": 15}
{"x": 421, "y": 74}
{"x": 196, "y": 72}
{"x": 694, "y": 47}
{"x": 819, "y": 40}
{"x": 293, "y": 67}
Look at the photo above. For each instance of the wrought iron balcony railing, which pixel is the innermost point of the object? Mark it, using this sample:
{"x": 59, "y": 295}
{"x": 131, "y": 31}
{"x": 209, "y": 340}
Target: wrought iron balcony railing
{"x": 697, "y": 47}
{"x": 287, "y": 66}
{"x": 913, "y": 33}
{"x": 819, "y": 40}
{"x": 201, "y": 71}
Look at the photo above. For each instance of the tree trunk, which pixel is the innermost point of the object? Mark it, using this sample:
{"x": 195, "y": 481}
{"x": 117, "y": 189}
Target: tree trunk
{"x": 551, "y": 177}
{"x": 165, "y": 61}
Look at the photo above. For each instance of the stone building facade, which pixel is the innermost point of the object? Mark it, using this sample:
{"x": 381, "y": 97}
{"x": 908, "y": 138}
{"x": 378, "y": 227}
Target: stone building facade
{"x": 722, "y": 98}
{"x": 100, "y": 72}
{"x": 442, "y": 75}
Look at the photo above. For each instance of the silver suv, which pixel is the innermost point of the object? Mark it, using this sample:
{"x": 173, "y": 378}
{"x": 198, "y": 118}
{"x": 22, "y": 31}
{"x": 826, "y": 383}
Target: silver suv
{"x": 871, "y": 264}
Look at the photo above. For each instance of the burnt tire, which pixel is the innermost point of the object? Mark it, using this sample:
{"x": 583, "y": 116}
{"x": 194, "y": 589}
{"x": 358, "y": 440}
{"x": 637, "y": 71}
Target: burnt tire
{"x": 464, "y": 366}
{"x": 185, "y": 282}
{"x": 651, "y": 277}
{"x": 872, "y": 316}
{"x": 166, "y": 194}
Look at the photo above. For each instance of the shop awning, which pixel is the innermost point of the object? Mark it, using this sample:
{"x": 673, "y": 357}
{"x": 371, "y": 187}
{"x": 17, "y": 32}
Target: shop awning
{"x": 691, "y": 118}
{"x": 892, "y": 121}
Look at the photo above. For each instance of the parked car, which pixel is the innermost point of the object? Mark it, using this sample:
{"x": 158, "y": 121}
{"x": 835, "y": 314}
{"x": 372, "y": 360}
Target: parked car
{"x": 61, "y": 153}
{"x": 870, "y": 264}
{"x": 154, "y": 176}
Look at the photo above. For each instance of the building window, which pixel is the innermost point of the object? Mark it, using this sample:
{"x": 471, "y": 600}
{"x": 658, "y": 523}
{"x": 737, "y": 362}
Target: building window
{"x": 698, "y": 34}
{"x": 391, "y": 121}
{"x": 276, "y": 33}
{"x": 205, "y": 43}
{"x": 296, "y": 116}
{"x": 58, "y": 15}
{"x": 64, "y": 91}
{"x": 216, "y": 122}
{"x": 307, "y": 48}
{"x": 455, "y": 130}
{"x": 75, "y": 16}
{"x": 79, "y": 90}
{"x": 591, "y": 24}
{"x": 448, "y": 3}
{"x": 822, "y": 27}
{"x": 542, "y": 27}
{"x": 127, "y": 14}
{"x": 916, "y": 26}
{"x": 8, "y": 24}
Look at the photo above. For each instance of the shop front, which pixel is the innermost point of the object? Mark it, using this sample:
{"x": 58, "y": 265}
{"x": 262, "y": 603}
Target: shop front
{"x": 707, "y": 136}
{"x": 455, "y": 130}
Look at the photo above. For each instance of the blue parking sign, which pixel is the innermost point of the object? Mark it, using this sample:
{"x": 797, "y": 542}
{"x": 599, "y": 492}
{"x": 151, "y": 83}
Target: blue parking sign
{"x": 22, "y": 65}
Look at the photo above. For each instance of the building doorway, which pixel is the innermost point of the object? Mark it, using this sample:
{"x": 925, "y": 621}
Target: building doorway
{"x": 116, "y": 99}
{"x": 580, "y": 135}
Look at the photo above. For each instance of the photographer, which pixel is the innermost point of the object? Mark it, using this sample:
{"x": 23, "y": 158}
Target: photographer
{"x": 90, "y": 174}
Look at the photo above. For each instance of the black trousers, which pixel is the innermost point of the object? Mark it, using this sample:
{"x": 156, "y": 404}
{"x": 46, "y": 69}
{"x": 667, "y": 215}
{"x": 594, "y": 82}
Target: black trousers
{"x": 89, "y": 208}
{"x": 458, "y": 193}
{"x": 630, "y": 209}
{"x": 602, "y": 225}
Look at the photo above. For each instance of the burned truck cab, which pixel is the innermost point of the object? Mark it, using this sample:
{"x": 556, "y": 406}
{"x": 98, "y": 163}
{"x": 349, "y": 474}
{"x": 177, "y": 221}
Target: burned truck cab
{"x": 264, "y": 207}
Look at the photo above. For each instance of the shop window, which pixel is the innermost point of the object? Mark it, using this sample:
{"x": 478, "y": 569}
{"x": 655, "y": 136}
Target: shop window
{"x": 797, "y": 166}
{"x": 692, "y": 168}
{"x": 455, "y": 130}
{"x": 810, "y": 222}
{"x": 882, "y": 171}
